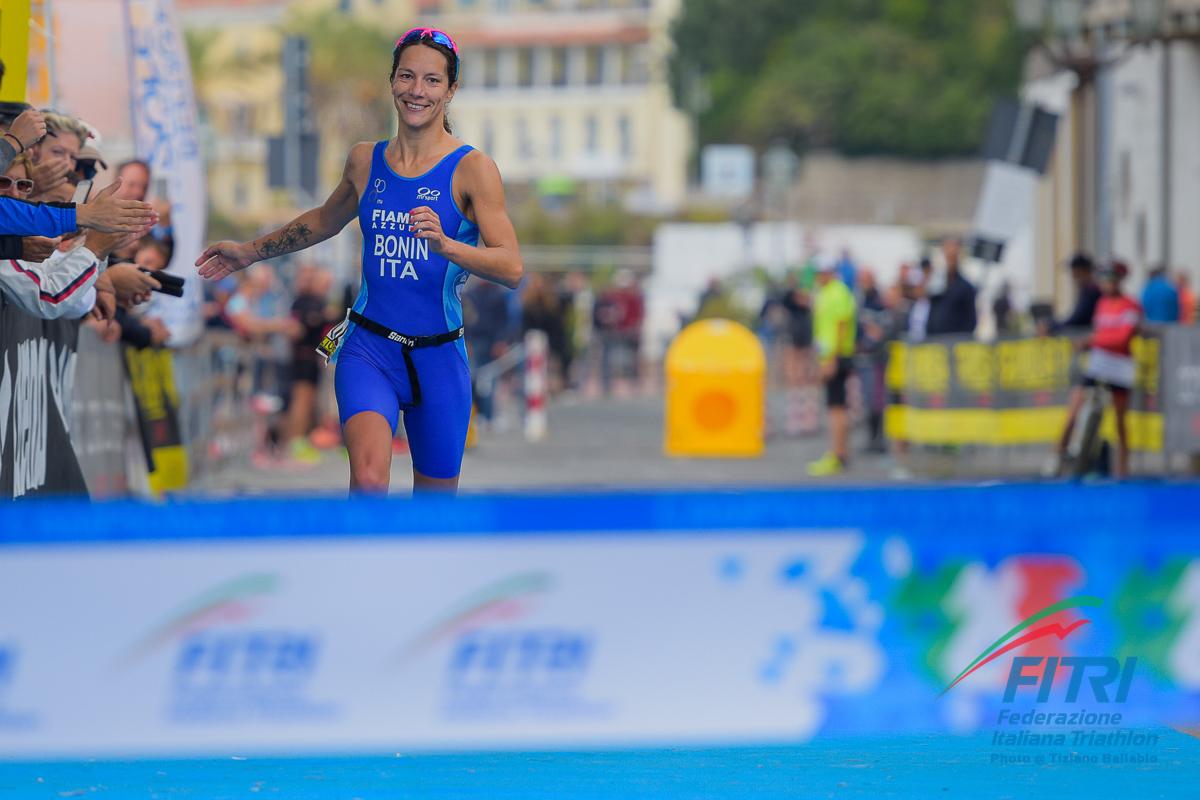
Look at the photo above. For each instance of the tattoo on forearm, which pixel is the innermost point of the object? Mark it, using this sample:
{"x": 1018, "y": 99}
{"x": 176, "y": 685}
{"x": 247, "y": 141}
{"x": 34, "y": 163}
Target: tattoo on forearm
{"x": 290, "y": 239}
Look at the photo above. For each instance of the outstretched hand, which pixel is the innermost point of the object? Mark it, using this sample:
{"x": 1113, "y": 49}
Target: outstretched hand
{"x": 223, "y": 259}
{"x": 109, "y": 213}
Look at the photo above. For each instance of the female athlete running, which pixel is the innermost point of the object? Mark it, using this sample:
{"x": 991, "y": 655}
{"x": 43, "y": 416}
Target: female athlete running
{"x": 431, "y": 211}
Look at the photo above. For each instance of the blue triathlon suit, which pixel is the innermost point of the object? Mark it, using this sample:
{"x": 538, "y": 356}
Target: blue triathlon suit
{"x": 414, "y": 291}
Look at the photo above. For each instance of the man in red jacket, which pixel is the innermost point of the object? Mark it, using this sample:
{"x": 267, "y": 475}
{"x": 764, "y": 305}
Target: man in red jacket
{"x": 1110, "y": 358}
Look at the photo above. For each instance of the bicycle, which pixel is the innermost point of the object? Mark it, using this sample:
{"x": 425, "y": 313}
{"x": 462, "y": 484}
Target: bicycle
{"x": 1087, "y": 451}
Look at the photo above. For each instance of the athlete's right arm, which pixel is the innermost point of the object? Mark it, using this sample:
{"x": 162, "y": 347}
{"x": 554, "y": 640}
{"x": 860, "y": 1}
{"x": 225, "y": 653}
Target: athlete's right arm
{"x": 311, "y": 227}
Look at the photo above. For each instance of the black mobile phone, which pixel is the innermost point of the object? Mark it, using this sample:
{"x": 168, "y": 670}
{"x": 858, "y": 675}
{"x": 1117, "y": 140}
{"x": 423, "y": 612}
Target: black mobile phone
{"x": 168, "y": 284}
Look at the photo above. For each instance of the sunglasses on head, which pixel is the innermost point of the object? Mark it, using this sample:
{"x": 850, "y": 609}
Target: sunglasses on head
{"x": 23, "y": 185}
{"x": 432, "y": 34}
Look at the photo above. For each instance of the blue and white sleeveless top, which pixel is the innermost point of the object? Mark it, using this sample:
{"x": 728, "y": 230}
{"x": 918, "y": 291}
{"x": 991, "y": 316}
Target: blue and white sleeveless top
{"x": 405, "y": 285}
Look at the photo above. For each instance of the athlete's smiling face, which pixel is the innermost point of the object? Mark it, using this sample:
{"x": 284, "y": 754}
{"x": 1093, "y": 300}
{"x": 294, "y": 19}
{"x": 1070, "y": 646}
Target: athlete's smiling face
{"x": 421, "y": 86}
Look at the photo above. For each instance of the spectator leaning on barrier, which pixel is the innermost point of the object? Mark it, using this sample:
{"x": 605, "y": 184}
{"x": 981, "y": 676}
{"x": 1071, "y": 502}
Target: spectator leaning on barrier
{"x": 312, "y": 311}
{"x": 135, "y": 178}
{"x": 1187, "y": 299}
{"x": 88, "y": 163}
{"x": 871, "y": 298}
{"x": 876, "y": 333}
{"x": 619, "y": 314}
{"x": 54, "y": 157}
{"x": 542, "y": 310}
{"x": 63, "y": 279}
{"x": 142, "y": 330}
{"x": 1110, "y": 361}
{"x": 106, "y": 213}
{"x": 920, "y": 304}
{"x": 489, "y": 332}
{"x": 1159, "y": 298}
{"x": 577, "y": 300}
{"x": 953, "y": 311}
{"x": 1087, "y": 292}
{"x": 24, "y": 132}
{"x": 16, "y": 183}
{"x": 50, "y": 165}
{"x": 834, "y": 325}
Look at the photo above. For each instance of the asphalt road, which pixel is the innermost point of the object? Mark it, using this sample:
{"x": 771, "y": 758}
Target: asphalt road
{"x": 609, "y": 443}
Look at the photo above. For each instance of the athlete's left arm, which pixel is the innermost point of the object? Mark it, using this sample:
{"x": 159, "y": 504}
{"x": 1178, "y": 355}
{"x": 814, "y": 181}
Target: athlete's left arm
{"x": 498, "y": 258}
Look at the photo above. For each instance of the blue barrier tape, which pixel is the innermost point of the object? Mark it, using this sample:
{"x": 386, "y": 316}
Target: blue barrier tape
{"x": 1016, "y": 516}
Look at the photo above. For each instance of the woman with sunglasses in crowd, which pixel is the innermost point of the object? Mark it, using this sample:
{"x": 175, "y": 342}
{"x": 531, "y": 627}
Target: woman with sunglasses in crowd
{"x": 432, "y": 211}
{"x": 50, "y": 279}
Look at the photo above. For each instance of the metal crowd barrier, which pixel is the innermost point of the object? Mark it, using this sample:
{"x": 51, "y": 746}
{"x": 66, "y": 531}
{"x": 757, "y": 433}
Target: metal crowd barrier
{"x": 1001, "y": 406}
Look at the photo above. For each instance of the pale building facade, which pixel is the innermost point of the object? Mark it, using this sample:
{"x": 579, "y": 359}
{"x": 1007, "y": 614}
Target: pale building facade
{"x": 1125, "y": 178}
{"x": 571, "y": 89}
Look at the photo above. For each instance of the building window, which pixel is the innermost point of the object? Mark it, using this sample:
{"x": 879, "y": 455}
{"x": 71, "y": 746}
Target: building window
{"x": 555, "y": 138}
{"x": 625, "y": 136}
{"x": 241, "y": 120}
{"x": 591, "y": 134}
{"x": 593, "y": 70}
{"x": 524, "y": 67}
{"x": 487, "y": 138}
{"x": 558, "y": 66}
{"x": 524, "y": 143}
{"x": 611, "y": 72}
{"x": 491, "y": 69}
{"x": 635, "y": 64}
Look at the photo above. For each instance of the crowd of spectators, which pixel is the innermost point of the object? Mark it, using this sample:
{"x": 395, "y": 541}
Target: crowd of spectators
{"x": 593, "y": 326}
{"x": 930, "y": 298}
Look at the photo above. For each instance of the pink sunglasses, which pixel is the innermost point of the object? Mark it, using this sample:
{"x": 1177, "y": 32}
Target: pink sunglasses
{"x": 432, "y": 34}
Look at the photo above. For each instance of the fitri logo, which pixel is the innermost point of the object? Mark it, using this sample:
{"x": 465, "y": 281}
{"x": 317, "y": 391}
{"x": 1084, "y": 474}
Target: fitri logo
{"x": 425, "y": 193}
{"x": 380, "y": 188}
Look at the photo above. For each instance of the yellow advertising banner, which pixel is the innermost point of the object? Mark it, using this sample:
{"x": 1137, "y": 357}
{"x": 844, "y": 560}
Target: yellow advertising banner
{"x": 14, "y": 49}
{"x": 1011, "y": 392}
{"x": 152, "y": 375}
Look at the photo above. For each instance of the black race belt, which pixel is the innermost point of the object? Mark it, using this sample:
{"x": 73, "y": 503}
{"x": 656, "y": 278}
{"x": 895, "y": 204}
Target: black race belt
{"x": 407, "y": 344}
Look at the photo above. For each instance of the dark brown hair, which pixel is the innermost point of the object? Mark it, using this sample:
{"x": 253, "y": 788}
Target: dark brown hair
{"x": 447, "y": 53}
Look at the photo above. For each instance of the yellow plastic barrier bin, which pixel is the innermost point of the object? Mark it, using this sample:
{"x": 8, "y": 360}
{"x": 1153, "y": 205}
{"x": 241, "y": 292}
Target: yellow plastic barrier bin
{"x": 716, "y": 392}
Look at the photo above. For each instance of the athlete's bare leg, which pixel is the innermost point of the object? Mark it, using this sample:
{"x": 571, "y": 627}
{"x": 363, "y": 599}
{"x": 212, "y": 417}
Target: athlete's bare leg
{"x": 424, "y": 483}
{"x": 369, "y": 442}
{"x": 1121, "y": 412}
{"x": 839, "y": 430}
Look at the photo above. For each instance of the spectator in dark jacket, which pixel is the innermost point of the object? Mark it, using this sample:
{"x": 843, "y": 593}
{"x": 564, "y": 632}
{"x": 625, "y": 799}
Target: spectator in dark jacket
{"x": 490, "y": 332}
{"x": 1087, "y": 292}
{"x": 953, "y": 311}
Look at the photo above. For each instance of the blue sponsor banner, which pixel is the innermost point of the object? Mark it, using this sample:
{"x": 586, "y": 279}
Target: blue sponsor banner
{"x": 985, "y": 521}
{"x": 1046, "y": 616}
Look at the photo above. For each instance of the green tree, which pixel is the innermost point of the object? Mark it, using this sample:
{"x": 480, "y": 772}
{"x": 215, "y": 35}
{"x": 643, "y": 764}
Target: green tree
{"x": 348, "y": 73}
{"x": 901, "y": 77}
